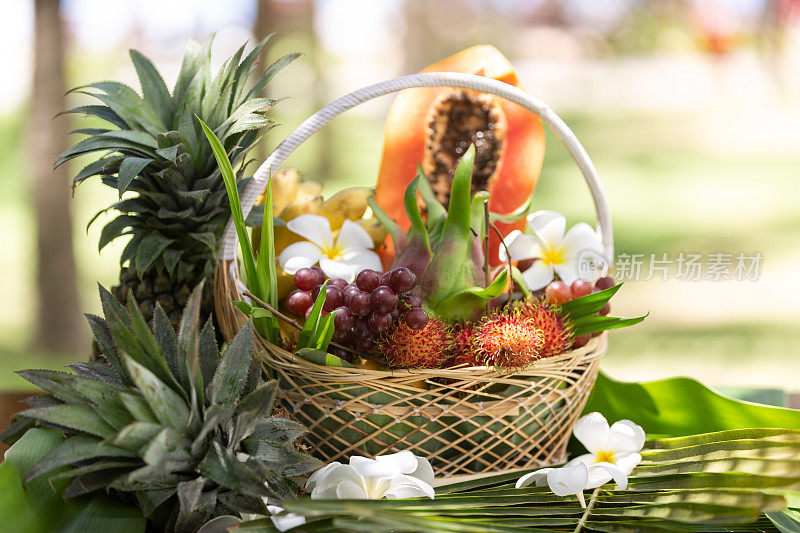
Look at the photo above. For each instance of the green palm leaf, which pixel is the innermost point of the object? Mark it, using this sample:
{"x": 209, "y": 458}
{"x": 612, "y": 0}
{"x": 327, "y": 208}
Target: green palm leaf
{"x": 723, "y": 481}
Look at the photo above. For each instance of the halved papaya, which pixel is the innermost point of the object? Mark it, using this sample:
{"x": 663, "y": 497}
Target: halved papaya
{"x": 434, "y": 126}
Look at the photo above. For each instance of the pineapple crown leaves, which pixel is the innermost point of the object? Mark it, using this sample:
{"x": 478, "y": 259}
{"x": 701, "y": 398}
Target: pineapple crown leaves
{"x": 185, "y": 431}
{"x": 153, "y": 146}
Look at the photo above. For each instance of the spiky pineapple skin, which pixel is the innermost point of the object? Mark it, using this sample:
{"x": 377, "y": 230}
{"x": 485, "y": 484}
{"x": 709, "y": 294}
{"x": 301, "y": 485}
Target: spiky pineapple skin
{"x": 155, "y": 287}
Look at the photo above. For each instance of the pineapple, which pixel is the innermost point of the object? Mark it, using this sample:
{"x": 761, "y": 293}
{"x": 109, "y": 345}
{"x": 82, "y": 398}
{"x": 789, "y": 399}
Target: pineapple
{"x": 169, "y": 424}
{"x": 172, "y": 200}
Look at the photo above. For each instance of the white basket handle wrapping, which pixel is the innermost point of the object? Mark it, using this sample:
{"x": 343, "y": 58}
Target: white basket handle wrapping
{"x": 431, "y": 79}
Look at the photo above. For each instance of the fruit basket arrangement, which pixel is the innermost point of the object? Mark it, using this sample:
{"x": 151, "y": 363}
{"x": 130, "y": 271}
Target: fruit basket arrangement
{"x": 433, "y": 326}
{"x": 436, "y": 343}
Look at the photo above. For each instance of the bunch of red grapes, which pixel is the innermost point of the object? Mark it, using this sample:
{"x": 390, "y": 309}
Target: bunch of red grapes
{"x": 365, "y": 309}
{"x": 559, "y": 293}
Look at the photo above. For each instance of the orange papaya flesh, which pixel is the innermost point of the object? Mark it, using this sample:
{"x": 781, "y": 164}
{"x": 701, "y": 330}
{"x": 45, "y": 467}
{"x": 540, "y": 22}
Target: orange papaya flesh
{"x": 433, "y": 126}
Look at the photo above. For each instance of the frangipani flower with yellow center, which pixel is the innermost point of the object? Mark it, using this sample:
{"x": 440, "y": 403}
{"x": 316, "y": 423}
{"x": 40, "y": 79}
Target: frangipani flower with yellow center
{"x": 398, "y": 475}
{"x": 618, "y": 445}
{"x": 555, "y": 250}
{"x": 613, "y": 454}
{"x": 340, "y": 257}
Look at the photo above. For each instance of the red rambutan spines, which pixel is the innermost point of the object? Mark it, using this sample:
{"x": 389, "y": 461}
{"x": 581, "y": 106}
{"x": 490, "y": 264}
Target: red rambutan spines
{"x": 428, "y": 347}
{"x": 556, "y": 330}
{"x": 464, "y": 350}
{"x": 508, "y": 340}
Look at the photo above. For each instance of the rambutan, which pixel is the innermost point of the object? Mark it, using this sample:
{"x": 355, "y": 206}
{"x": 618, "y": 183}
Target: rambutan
{"x": 508, "y": 340}
{"x": 464, "y": 352}
{"x": 428, "y": 347}
{"x": 556, "y": 330}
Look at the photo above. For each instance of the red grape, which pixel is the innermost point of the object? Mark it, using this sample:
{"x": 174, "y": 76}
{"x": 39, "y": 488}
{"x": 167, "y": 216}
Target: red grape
{"x": 605, "y": 309}
{"x": 402, "y": 279}
{"x": 348, "y": 293}
{"x": 306, "y": 279}
{"x": 343, "y": 337}
{"x": 360, "y": 303}
{"x": 558, "y": 292}
{"x": 385, "y": 278}
{"x": 581, "y": 288}
{"x": 368, "y": 280}
{"x": 410, "y": 301}
{"x": 344, "y": 319}
{"x": 308, "y": 312}
{"x": 605, "y": 283}
{"x": 416, "y": 318}
{"x": 338, "y": 282}
{"x": 365, "y": 345}
{"x": 395, "y": 313}
{"x": 380, "y": 322}
{"x": 299, "y": 301}
{"x": 315, "y": 291}
{"x": 333, "y": 298}
{"x": 341, "y": 353}
{"x": 580, "y": 341}
{"x": 383, "y": 299}
{"x": 361, "y": 329}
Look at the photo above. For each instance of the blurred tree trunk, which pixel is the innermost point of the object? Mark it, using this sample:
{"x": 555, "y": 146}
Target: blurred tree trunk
{"x": 418, "y": 36}
{"x": 58, "y": 323}
{"x": 298, "y": 16}
{"x": 324, "y": 137}
{"x": 263, "y": 26}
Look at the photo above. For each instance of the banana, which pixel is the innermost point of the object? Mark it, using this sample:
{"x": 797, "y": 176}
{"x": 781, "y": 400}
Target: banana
{"x": 347, "y": 204}
{"x": 285, "y": 283}
{"x": 290, "y": 198}
{"x": 285, "y": 187}
{"x": 302, "y": 205}
{"x": 376, "y": 230}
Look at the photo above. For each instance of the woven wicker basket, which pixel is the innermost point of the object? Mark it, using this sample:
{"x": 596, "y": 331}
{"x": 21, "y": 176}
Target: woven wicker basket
{"x": 465, "y": 421}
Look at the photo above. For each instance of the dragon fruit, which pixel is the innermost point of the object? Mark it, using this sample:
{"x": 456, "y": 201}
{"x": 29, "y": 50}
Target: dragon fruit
{"x": 446, "y": 251}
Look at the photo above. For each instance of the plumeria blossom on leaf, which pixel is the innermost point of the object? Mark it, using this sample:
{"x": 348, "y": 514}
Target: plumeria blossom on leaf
{"x": 342, "y": 256}
{"x": 284, "y": 521}
{"x": 613, "y": 454}
{"x": 618, "y": 446}
{"x": 555, "y": 250}
{"x": 399, "y": 475}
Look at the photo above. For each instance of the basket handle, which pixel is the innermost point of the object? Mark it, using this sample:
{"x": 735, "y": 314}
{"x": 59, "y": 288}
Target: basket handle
{"x": 431, "y": 79}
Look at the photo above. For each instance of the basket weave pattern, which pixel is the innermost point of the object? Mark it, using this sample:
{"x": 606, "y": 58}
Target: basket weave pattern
{"x": 465, "y": 421}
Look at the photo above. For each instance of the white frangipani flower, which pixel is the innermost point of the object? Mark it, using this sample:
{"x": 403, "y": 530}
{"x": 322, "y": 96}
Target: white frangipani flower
{"x": 554, "y": 251}
{"x": 399, "y": 475}
{"x": 285, "y": 521}
{"x": 618, "y": 445}
{"x": 614, "y": 453}
{"x": 342, "y": 257}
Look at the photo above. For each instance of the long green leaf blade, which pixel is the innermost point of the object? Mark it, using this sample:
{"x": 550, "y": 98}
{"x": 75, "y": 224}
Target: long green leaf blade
{"x": 236, "y": 207}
